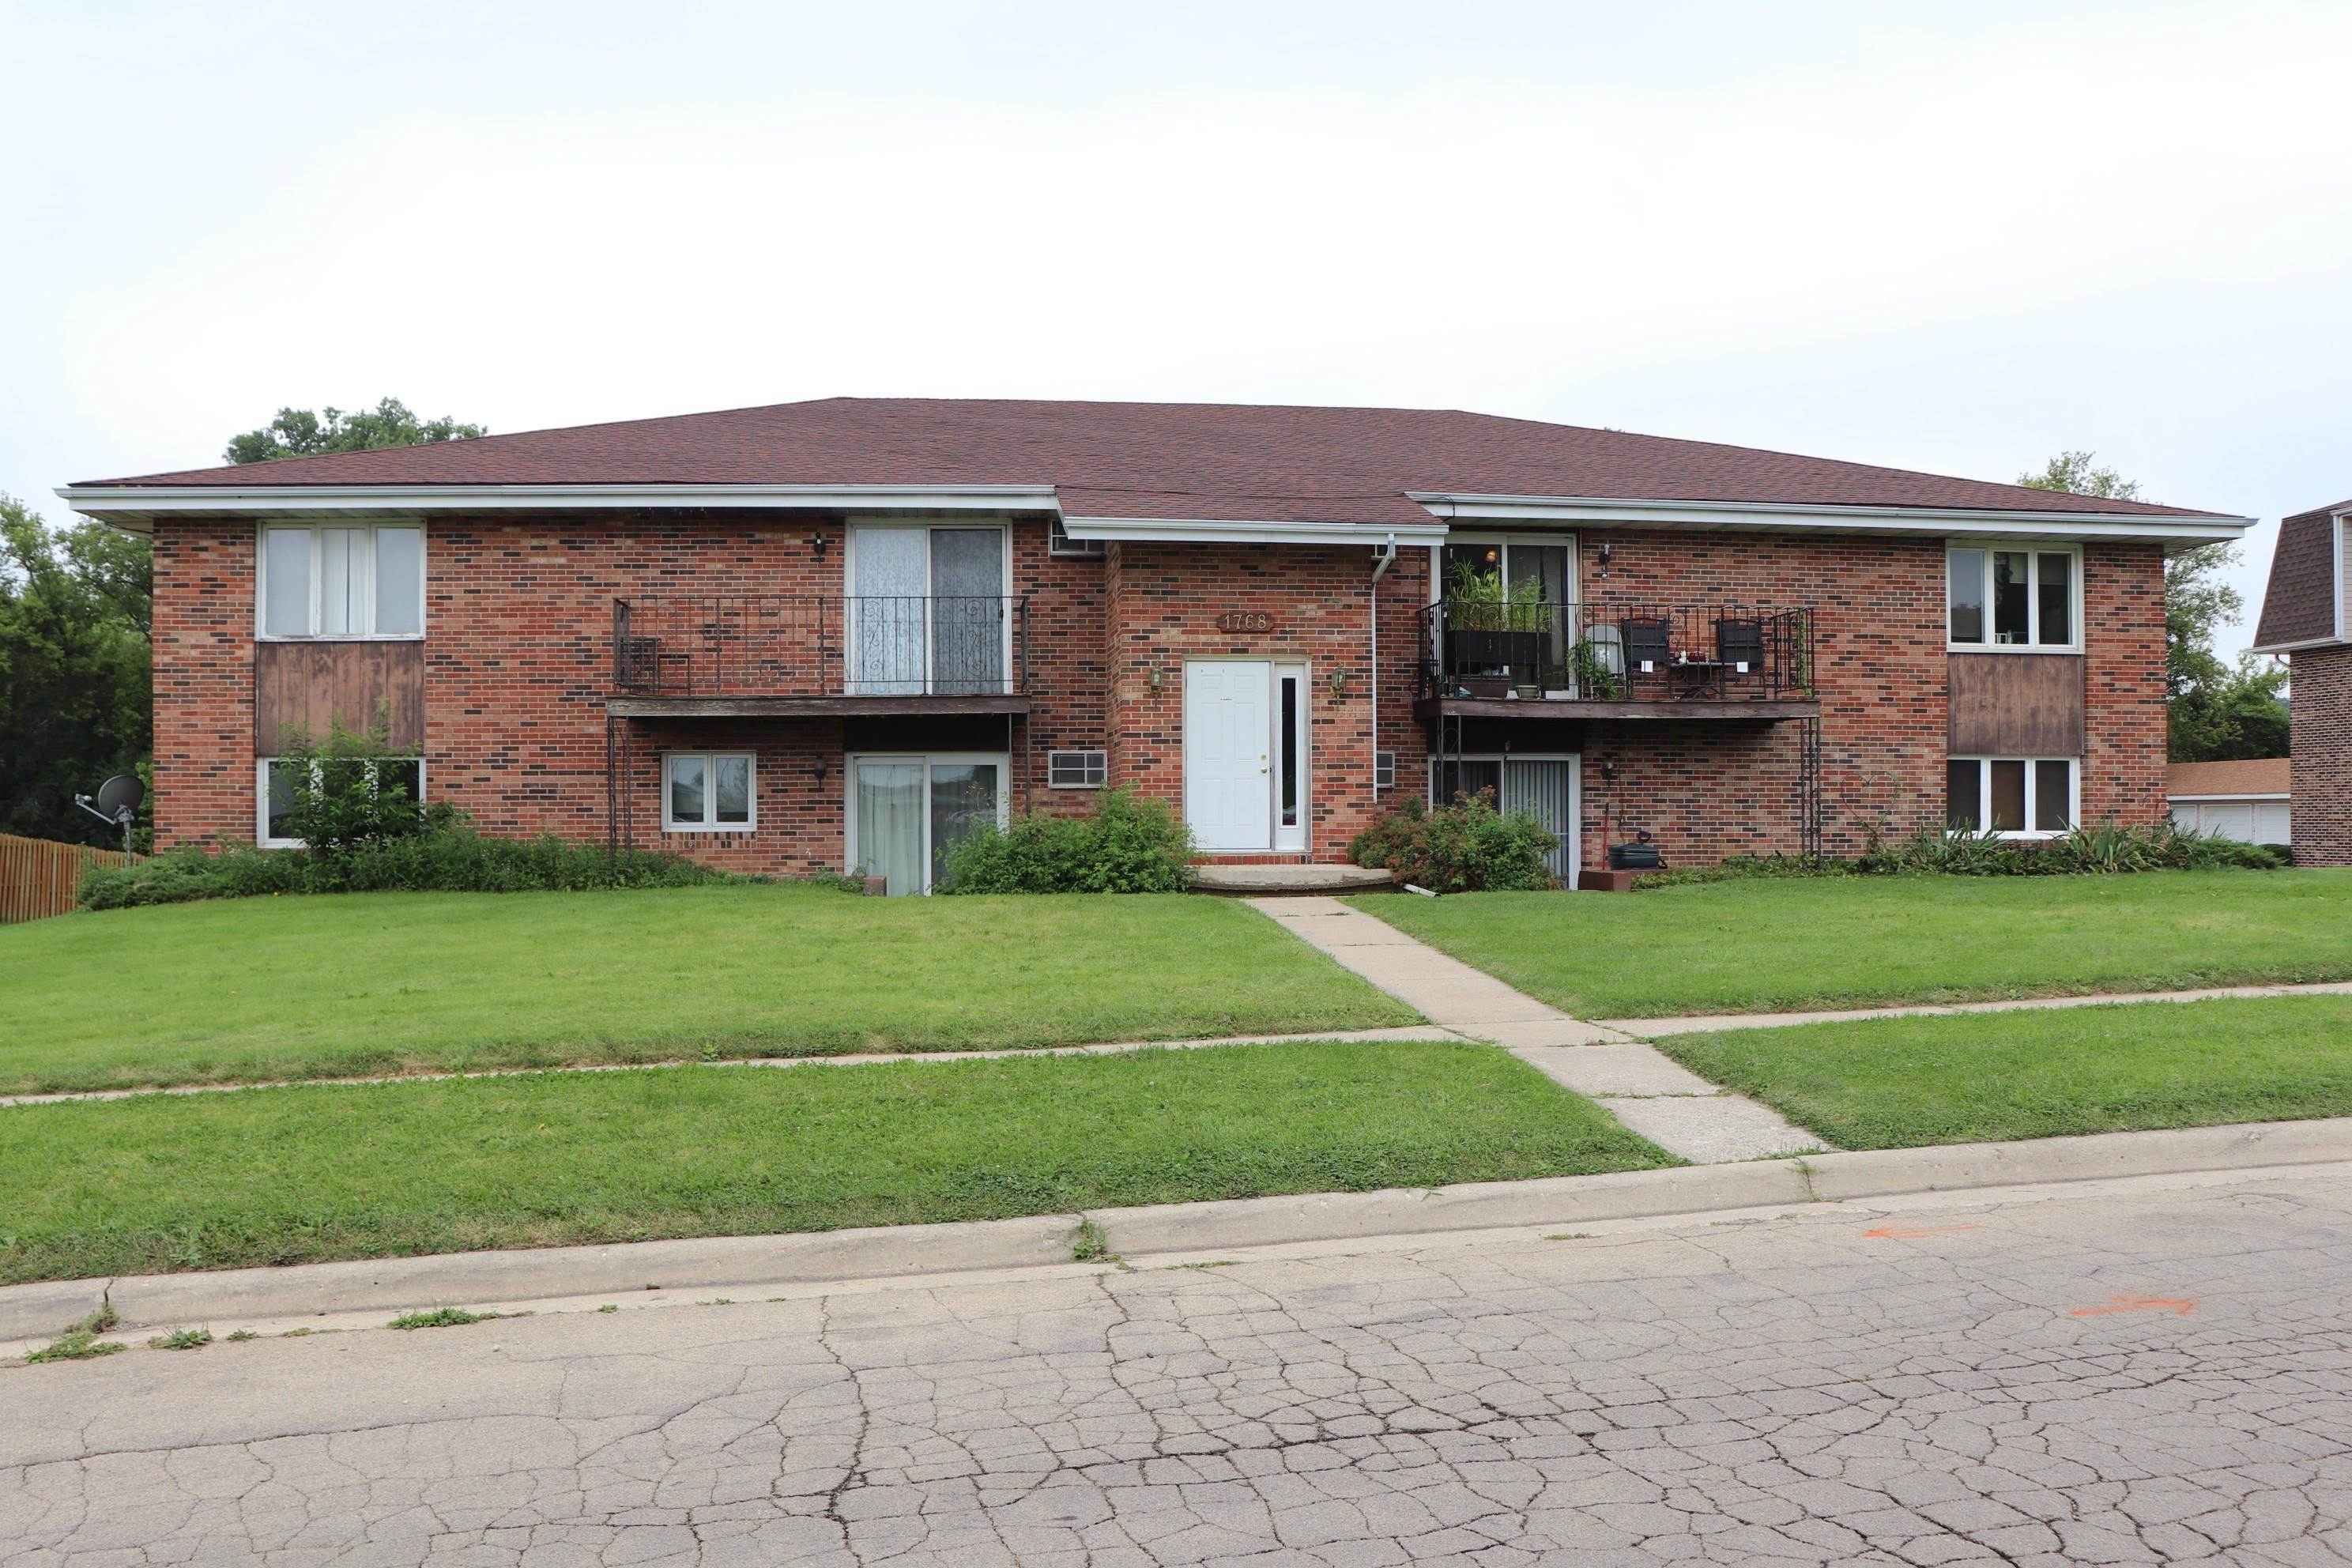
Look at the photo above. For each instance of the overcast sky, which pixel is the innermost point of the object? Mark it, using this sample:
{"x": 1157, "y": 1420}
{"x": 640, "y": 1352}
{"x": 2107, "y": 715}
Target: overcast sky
{"x": 1956, "y": 238}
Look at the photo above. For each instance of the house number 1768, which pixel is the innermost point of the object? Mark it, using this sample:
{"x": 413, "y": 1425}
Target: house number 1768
{"x": 1245, "y": 621}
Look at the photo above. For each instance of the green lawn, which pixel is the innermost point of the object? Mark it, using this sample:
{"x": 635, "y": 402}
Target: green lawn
{"x": 1754, "y": 946}
{"x": 317, "y": 1172}
{"x": 376, "y": 982}
{"x": 1889, "y": 1083}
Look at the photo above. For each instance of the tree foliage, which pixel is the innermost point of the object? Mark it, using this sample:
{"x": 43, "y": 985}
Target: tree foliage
{"x": 74, "y": 620}
{"x": 300, "y": 433}
{"x": 2218, "y": 711}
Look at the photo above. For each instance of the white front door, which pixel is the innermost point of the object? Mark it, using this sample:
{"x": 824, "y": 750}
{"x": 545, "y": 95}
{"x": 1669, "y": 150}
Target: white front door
{"x": 1228, "y": 754}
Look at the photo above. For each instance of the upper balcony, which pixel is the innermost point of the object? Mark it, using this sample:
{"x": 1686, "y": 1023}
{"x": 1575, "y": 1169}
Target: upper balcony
{"x": 1631, "y": 660}
{"x": 683, "y": 655}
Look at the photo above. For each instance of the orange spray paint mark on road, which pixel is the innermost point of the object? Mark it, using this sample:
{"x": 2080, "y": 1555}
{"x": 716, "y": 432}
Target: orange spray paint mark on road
{"x": 2177, "y": 1307}
{"x": 1897, "y": 1233}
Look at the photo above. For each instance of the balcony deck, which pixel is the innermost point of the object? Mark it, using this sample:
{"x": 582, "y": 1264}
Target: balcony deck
{"x": 686, "y": 656}
{"x": 1630, "y": 660}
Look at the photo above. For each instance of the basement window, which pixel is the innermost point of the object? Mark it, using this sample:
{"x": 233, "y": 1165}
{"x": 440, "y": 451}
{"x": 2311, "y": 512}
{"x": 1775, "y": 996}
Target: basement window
{"x": 2012, "y": 797}
{"x": 277, "y": 778}
{"x": 707, "y": 792}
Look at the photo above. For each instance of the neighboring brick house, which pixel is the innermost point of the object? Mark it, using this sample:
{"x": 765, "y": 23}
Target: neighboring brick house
{"x": 828, "y": 635}
{"x": 2308, "y": 616}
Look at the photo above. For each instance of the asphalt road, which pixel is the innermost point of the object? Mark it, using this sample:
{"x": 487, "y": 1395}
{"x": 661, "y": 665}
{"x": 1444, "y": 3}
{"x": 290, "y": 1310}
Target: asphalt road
{"x": 2158, "y": 1372}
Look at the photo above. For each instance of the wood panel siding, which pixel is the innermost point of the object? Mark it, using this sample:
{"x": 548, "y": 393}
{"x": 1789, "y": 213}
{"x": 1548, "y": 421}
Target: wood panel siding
{"x": 2016, "y": 705}
{"x": 314, "y": 684}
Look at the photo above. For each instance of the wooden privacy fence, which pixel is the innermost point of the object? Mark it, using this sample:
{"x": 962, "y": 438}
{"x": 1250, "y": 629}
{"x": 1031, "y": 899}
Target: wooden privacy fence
{"x": 38, "y": 875}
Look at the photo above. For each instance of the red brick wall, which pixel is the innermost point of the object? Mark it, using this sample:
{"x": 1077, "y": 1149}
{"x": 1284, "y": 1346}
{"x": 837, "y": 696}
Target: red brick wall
{"x": 2321, "y": 706}
{"x": 1708, "y": 790}
{"x": 519, "y": 664}
{"x": 2122, "y": 707}
{"x": 1164, "y": 601}
{"x": 203, "y": 683}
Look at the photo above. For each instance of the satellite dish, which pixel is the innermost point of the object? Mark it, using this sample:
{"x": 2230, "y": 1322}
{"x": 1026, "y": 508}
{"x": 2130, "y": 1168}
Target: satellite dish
{"x": 119, "y": 793}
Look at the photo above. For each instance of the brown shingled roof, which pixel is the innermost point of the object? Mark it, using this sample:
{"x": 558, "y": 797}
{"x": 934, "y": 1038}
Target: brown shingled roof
{"x": 2258, "y": 776}
{"x": 1154, "y": 459}
{"x": 2299, "y": 603}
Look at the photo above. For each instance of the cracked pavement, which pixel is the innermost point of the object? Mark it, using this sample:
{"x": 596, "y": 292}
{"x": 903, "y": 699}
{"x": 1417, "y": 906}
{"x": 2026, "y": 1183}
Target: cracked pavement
{"x": 1789, "y": 1390}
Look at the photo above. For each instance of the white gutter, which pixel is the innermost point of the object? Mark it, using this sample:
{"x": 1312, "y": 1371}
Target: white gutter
{"x": 2196, "y": 528}
{"x": 1250, "y": 530}
{"x": 141, "y": 501}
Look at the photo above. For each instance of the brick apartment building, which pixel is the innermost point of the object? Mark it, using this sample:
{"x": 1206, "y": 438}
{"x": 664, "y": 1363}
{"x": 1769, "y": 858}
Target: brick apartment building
{"x": 2308, "y": 616}
{"x": 828, "y": 635}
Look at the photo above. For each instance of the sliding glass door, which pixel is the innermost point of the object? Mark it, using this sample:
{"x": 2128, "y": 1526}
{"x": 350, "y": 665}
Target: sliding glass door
{"x": 904, "y": 812}
{"x": 927, "y": 615}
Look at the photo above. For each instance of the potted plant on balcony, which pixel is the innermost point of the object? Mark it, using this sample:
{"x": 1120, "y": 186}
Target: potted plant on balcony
{"x": 1495, "y": 635}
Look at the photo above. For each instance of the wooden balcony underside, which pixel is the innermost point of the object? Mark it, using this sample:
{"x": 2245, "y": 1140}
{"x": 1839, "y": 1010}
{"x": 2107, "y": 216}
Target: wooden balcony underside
{"x": 809, "y": 707}
{"x": 1712, "y": 710}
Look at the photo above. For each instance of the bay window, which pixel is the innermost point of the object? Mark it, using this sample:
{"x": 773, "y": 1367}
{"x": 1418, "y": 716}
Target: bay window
{"x": 341, "y": 580}
{"x": 2013, "y": 797}
{"x": 2023, "y": 597}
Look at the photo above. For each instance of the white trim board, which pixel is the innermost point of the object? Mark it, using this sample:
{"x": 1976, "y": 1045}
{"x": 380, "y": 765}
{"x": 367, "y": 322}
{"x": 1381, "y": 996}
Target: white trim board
{"x": 2201, "y": 528}
{"x": 1245, "y": 531}
{"x": 128, "y": 503}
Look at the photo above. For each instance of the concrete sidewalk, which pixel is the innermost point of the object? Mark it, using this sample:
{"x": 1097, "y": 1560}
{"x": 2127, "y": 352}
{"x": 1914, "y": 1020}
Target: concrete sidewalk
{"x": 1669, "y": 1105}
{"x": 1692, "y": 1024}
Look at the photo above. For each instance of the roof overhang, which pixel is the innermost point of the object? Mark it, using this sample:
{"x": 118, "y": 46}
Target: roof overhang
{"x": 1231, "y": 530}
{"x": 133, "y": 506}
{"x": 2180, "y": 532}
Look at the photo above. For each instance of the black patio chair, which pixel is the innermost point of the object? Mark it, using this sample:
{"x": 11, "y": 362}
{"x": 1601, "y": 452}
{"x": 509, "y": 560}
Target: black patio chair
{"x": 1647, "y": 643}
{"x": 1739, "y": 643}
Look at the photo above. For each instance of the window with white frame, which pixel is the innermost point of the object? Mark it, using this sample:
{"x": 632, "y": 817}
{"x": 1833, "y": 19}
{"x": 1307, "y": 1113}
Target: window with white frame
{"x": 341, "y": 580}
{"x": 1383, "y": 770}
{"x": 275, "y": 780}
{"x": 2013, "y": 797}
{"x": 1059, "y": 542}
{"x": 2014, "y": 598}
{"x": 1076, "y": 770}
{"x": 707, "y": 792}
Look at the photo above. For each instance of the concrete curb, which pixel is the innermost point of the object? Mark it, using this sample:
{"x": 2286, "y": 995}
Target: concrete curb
{"x": 746, "y": 1264}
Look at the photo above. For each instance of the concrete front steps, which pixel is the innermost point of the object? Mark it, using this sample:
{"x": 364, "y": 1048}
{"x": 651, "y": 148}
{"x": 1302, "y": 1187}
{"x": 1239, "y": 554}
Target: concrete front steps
{"x": 1275, "y": 879}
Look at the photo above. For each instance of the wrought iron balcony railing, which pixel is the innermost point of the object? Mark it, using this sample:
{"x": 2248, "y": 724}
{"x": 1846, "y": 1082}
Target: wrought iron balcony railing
{"x": 1632, "y": 651}
{"x": 776, "y": 644}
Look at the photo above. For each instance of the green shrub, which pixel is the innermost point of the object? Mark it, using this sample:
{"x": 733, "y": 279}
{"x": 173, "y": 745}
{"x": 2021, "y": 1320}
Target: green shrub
{"x": 448, "y": 858}
{"x": 341, "y": 792}
{"x": 2104, "y": 848}
{"x": 1747, "y": 869}
{"x": 1132, "y": 844}
{"x": 1465, "y": 847}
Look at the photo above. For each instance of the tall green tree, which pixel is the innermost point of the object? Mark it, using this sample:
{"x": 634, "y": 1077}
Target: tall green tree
{"x": 2217, "y": 711}
{"x": 74, "y": 626}
{"x": 301, "y": 433}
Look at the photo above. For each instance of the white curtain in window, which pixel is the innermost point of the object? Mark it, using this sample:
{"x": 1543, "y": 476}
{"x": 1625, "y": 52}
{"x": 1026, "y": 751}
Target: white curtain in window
{"x": 891, "y": 589}
{"x": 285, "y": 568}
{"x": 890, "y": 823}
{"x": 342, "y": 571}
{"x": 399, "y": 582}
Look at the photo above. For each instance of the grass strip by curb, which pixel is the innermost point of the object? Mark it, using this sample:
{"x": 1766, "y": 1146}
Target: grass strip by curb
{"x": 310, "y": 1173}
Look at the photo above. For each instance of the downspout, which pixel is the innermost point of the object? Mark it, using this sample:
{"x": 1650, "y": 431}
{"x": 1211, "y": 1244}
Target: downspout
{"x": 1381, "y": 564}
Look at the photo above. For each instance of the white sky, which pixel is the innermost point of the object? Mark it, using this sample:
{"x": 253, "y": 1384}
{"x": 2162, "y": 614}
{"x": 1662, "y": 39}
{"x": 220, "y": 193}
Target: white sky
{"x": 1956, "y": 238}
